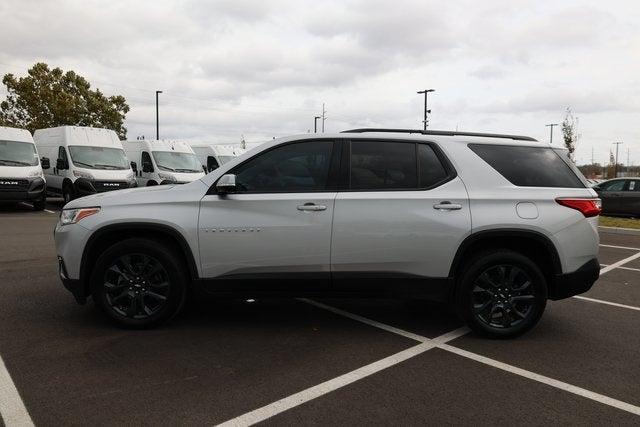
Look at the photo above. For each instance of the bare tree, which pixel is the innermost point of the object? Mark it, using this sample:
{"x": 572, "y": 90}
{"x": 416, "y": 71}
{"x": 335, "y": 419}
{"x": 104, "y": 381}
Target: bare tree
{"x": 569, "y": 132}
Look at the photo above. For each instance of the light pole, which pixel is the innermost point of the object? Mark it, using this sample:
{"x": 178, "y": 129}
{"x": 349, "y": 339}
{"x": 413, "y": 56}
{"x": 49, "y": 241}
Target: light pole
{"x": 551, "y": 125}
{"x": 157, "y": 116}
{"x": 315, "y": 123}
{"x": 615, "y": 167}
{"x": 426, "y": 110}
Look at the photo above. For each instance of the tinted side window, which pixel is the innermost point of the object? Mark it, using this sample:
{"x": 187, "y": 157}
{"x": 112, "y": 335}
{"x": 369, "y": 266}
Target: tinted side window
{"x": 379, "y": 165}
{"x": 430, "y": 169}
{"x": 299, "y": 167}
{"x": 616, "y": 185}
{"x": 634, "y": 186}
{"x": 528, "y": 166}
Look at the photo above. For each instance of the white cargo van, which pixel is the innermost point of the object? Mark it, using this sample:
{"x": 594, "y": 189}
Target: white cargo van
{"x": 21, "y": 177}
{"x": 86, "y": 161}
{"x": 163, "y": 162}
{"x": 212, "y": 156}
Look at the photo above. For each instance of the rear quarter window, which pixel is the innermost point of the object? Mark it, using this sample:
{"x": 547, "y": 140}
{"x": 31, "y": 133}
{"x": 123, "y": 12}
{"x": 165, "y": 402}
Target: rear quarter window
{"x": 529, "y": 166}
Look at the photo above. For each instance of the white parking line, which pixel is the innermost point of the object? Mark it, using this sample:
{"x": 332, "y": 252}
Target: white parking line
{"x": 622, "y": 268}
{"x": 619, "y": 263}
{"x": 620, "y": 247}
{"x": 614, "y": 304}
{"x": 314, "y": 392}
{"x": 31, "y": 206}
{"x": 600, "y": 398}
{"x": 12, "y": 409}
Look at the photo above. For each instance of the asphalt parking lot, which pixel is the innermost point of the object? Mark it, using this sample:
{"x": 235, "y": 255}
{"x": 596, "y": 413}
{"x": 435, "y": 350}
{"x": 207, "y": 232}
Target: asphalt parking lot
{"x": 290, "y": 362}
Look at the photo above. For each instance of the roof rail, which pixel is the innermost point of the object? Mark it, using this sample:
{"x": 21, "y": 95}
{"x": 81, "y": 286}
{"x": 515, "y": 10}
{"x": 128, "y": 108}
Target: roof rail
{"x": 442, "y": 133}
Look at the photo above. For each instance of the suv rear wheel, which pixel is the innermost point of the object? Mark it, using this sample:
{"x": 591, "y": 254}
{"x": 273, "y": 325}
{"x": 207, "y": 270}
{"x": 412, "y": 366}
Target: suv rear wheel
{"x": 139, "y": 283}
{"x": 502, "y": 294}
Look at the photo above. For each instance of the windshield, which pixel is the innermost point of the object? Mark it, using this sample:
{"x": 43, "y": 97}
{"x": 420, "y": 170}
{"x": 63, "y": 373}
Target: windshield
{"x": 225, "y": 159}
{"x": 14, "y": 153}
{"x": 98, "y": 157}
{"x": 177, "y": 162}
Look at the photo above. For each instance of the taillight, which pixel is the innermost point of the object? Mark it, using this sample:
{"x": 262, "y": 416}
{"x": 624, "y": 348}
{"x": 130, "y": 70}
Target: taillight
{"x": 588, "y": 207}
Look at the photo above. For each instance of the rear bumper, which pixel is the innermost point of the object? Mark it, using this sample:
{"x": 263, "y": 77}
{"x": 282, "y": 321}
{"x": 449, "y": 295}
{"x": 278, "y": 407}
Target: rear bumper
{"x": 36, "y": 190}
{"x": 578, "y": 282}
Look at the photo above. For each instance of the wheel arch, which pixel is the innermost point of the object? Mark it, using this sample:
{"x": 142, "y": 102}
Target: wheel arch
{"x": 110, "y": 234}
{"x": 528, "y": 242}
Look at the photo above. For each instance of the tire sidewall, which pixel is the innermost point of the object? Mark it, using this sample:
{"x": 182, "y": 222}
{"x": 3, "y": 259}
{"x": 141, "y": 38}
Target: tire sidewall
{"x": 172, "y": 265}
{"x": 481, "y": 264}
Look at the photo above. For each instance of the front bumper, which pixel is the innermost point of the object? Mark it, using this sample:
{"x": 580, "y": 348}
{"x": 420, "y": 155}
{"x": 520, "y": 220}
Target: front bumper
{"x": 578, "y": 282}
{"x": 86, "y": 187}
{"x": 32, "y": 189}
{"x": 73, "y": 285}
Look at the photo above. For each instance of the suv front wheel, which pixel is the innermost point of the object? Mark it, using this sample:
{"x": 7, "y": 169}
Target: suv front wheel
{"x": 139, "y": 283}
{"x": 502, "y": 294}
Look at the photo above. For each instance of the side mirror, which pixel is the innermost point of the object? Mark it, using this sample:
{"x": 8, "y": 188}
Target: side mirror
{"x": 226, "y": 184}
{"x": 147, "y": 167}
{"x": 134, "y": 167}
{"x": 45, "y": 163}
{"x": 61, "y": 164}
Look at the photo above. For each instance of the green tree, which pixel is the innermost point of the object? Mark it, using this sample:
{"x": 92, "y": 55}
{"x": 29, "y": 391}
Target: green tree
{"x": 51, "y": 97}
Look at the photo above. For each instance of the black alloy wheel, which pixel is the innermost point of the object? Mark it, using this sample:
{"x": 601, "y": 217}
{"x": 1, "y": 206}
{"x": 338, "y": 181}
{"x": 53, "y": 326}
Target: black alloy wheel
{"x": 503, "y": 296}
{"x": 136, "y": 286}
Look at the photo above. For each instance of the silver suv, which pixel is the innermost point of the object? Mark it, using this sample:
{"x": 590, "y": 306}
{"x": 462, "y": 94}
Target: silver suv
{"x": 494, "y": 224}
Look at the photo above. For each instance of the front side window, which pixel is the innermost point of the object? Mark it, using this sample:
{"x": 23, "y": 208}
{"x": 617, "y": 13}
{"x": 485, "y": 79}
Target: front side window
{"x": 529, "y": 166}
{"x": 177, "y": 162}
{"x": 380, "y": 165}
{"x": 15, "y": 153}
{"x": 292, "y": 168}
{"x": 98, "y": 157}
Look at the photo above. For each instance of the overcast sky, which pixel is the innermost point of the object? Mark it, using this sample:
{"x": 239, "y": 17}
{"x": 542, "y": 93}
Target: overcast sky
{"x": 263, "y": 68}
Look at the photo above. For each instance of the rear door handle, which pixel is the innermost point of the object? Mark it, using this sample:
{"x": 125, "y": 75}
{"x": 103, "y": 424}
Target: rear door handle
{"x": 447, "y": 206}
{"x": 311, "y": 207}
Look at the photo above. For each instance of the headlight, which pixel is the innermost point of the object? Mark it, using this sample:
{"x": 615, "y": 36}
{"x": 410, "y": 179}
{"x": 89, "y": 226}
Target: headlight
{"x": 167, "y": 177}
{"x": 80, "y": 174}
{"x": 35, "y": 173}
{"x": 71, "y": 216}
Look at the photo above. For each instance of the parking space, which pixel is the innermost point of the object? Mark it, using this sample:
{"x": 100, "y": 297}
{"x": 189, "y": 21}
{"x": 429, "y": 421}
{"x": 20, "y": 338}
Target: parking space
{"x": 329, "y": 362}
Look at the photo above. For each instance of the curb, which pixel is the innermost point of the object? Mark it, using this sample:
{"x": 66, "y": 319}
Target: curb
{"x": 618, "y": 230}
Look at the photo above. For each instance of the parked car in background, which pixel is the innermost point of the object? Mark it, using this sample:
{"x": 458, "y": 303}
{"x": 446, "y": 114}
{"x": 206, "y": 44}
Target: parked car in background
{"x": 212, "y": 156}
{"x": 163, "y": 162}
{"x": 620, "y": 196}
{"x": 21, "y": 170}
{"x": 360, "y": 213}
{"x": 85, "y": 160}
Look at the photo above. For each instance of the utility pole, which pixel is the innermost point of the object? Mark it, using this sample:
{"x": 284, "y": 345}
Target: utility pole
{"x": 592, "y": 161}
{"x": 157, "y": 116}
{"x": 315, "y": 123}
{"x": 324, "y": 116}
{"x": 551, "y": 125}
{"x": 615, "y": 167}
{"x": 628, "y": 163}
{"x": 426, "y": 109}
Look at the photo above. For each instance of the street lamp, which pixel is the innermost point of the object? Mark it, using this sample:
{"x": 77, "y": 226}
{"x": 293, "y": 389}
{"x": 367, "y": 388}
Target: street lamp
{"x": 426, "y": 110}
{"x": 157, "y": 116}
{"x": 551, "y": 125}
{"x": 615, "y": 167}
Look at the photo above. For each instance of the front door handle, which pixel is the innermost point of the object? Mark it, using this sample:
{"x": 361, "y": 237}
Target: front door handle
{"x": 447, "y": 206}
{"x": 311, "y": 207}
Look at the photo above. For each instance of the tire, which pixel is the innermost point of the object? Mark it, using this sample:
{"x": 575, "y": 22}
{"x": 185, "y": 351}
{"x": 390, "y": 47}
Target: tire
{"x": 151, "y": 183}
{"x": 139, "y": 283}
{"x": 67, "y": 193}
{"x": 493, "y": 296}
{"x": 39, "y": 205}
